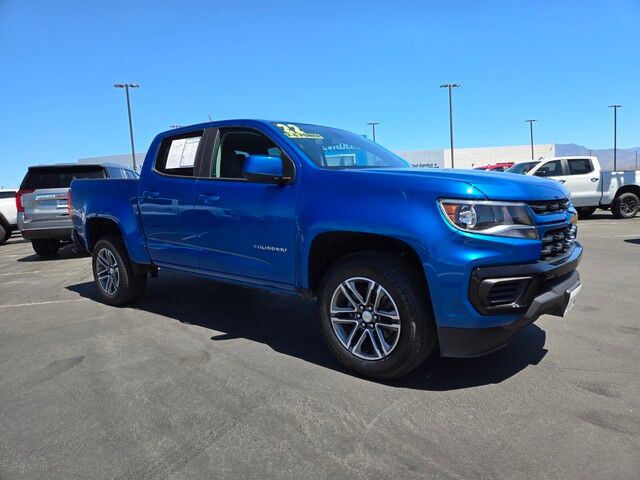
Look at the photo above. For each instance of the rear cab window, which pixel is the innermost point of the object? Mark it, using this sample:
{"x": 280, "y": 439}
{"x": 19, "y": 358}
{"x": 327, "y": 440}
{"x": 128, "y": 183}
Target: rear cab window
{"x": 580, "y": 166}
{"x": 59, "y": 177}
{"x": 177, "y": 155}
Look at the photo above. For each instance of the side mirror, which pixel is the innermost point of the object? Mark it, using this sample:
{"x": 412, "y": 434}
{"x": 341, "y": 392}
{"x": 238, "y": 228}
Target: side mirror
{"x": 264, "y": 169}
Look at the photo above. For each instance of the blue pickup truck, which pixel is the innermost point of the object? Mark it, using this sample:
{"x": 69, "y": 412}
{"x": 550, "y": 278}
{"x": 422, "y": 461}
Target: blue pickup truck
{"x": 402, "y": 261}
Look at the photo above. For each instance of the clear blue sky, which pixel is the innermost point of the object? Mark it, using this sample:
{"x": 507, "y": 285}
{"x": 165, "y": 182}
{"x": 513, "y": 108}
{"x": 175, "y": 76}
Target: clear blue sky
{"x": 338, "y": 63}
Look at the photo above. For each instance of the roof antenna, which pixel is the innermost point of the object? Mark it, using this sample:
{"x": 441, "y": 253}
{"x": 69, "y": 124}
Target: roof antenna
{"x": 210, "y": 119}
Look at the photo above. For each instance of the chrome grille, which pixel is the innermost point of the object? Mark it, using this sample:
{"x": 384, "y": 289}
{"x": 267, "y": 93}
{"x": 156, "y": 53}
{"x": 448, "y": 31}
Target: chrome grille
{"x": 550, "y": 206}
{"x": 557, "y": 242}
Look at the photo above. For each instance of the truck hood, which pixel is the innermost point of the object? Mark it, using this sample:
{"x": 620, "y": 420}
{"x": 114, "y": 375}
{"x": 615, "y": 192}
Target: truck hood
{"x": 493, "y": 185}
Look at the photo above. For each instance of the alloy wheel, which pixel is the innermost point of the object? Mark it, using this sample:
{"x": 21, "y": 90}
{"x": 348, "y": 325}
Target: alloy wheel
{"x": 628, "y": 205}
{"x": 365, "y": 318}
{"x": 107, "y": 271}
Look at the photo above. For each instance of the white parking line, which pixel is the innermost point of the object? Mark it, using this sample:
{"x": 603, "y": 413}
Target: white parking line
{"x": 32, "y": 304}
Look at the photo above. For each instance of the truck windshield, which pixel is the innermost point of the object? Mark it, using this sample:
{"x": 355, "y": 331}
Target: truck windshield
{"x": 339, "y": 149}
{"x": 522, "y": 168}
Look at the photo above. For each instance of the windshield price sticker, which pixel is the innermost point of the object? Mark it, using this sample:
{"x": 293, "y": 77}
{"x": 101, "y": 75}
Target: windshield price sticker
{"x": 293, "y": 131}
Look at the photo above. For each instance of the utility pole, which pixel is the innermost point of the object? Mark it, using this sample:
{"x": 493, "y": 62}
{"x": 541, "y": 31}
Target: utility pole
{"x": 373, "y": 128}
{"x": 615, "y": 135}
{"x": 126, "y": 87}
{"x": 530, "y": 122}
{"x": 450, "y": 86}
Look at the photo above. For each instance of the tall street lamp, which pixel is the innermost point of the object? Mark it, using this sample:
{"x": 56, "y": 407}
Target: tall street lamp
{"x": 530, "y": 122}
{"x": 615, "y": 133}
{"x": 373, "y": 128}
{"x": 450, "y": 86}
{"x": 126, "y": 87}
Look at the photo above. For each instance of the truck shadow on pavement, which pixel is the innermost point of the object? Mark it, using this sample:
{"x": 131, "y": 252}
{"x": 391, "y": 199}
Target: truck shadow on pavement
{"x": 66, "y": 252}
{"x": 289, "y": 325}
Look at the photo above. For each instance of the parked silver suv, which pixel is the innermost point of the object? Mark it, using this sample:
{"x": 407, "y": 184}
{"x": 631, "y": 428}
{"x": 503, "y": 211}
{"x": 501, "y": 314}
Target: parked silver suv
{"x": 43, "y": 216}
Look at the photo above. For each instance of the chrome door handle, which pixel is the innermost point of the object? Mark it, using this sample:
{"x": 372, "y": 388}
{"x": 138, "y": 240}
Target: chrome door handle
{"x": 147, "y": 194}
{"x": 595, "y": 179}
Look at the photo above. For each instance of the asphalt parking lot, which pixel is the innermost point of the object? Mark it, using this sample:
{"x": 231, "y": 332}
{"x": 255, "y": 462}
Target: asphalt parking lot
{"x": 201, "y": 380}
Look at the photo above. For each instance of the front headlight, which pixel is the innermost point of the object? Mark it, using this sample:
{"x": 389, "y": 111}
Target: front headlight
{"x": 504, "y": 219}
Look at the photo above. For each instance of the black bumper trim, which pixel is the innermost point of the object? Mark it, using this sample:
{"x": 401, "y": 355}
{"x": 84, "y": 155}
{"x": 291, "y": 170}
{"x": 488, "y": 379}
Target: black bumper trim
{"x": 55, "y": 233}
{"x": 475, "y": 342}
{"x": 543, "y": 276}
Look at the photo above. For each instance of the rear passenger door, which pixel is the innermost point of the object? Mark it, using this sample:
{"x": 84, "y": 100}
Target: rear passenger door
{"x": 583, "y": 182}
{"x": 165, "y": 196}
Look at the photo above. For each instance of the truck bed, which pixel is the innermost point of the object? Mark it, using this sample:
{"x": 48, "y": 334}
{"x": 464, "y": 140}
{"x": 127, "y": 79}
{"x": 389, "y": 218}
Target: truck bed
{"x": 610, "y": 182}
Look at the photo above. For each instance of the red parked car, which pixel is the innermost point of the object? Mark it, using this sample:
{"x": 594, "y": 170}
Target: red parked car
{"x": 496, "y": 167}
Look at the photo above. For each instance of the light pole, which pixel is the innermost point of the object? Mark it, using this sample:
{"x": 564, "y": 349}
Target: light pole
{"x": 530, "y": 122}
{"x": 373, "y": 128}
{"x": 450, "y": 86}
{"x": 126, "y": 87}
{"x": 615, "y": 134}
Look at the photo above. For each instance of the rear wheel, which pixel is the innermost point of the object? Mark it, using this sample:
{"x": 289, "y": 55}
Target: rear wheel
{"x": 5, "y": 233}
{"x": 375, "y": 317}
{"x": 113, "y": 272}
{"x": 585, "y": 212}
{"x": 46, "y": 247}
{"x": 625, "y": 205}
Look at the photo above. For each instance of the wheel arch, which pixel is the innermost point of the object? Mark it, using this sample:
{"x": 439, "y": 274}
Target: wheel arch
{"x": 97, "y": 227}
{"x": 328, "y": 247}
{"x": 635, "y": 189}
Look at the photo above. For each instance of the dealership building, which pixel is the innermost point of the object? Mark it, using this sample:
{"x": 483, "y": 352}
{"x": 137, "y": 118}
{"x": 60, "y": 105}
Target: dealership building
{"x": 475, "y": 157}
{"x": 627, "y": 159}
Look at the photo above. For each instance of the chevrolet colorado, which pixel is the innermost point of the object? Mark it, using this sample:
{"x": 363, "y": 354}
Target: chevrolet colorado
{"x": 402, "y": 260}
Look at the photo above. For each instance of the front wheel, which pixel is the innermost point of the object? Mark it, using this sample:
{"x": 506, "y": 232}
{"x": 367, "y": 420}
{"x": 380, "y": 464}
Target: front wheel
{"x": 113, "y": 272}
{"x": 625, "y": 205}
{"x": 585, "y": 212}
{"x": 376, "y": 319}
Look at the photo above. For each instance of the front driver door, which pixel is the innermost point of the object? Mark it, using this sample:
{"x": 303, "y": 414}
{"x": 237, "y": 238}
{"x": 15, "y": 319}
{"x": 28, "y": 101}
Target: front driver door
{"x": 246, "y": 229}
{"x": 553, "y": 170}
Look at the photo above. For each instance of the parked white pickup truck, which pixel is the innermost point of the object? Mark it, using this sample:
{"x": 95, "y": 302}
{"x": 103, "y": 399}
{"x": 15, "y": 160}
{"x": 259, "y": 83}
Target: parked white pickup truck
{"x": 590, "y": 186}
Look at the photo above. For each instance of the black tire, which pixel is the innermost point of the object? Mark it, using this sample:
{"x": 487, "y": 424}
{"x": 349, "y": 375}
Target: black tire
{"x": 625, "y": 205}
{"x": 402, "y": 282}
{"x": 130, "y": 286}
{"x": 585, "y": 212}
{"x": 46, "y": 247}
{"x": 5, "y": 233}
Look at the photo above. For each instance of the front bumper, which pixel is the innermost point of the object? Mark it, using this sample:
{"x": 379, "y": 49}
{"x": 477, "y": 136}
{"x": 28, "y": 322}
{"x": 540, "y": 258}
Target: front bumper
{"x": 548, "y": 291}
